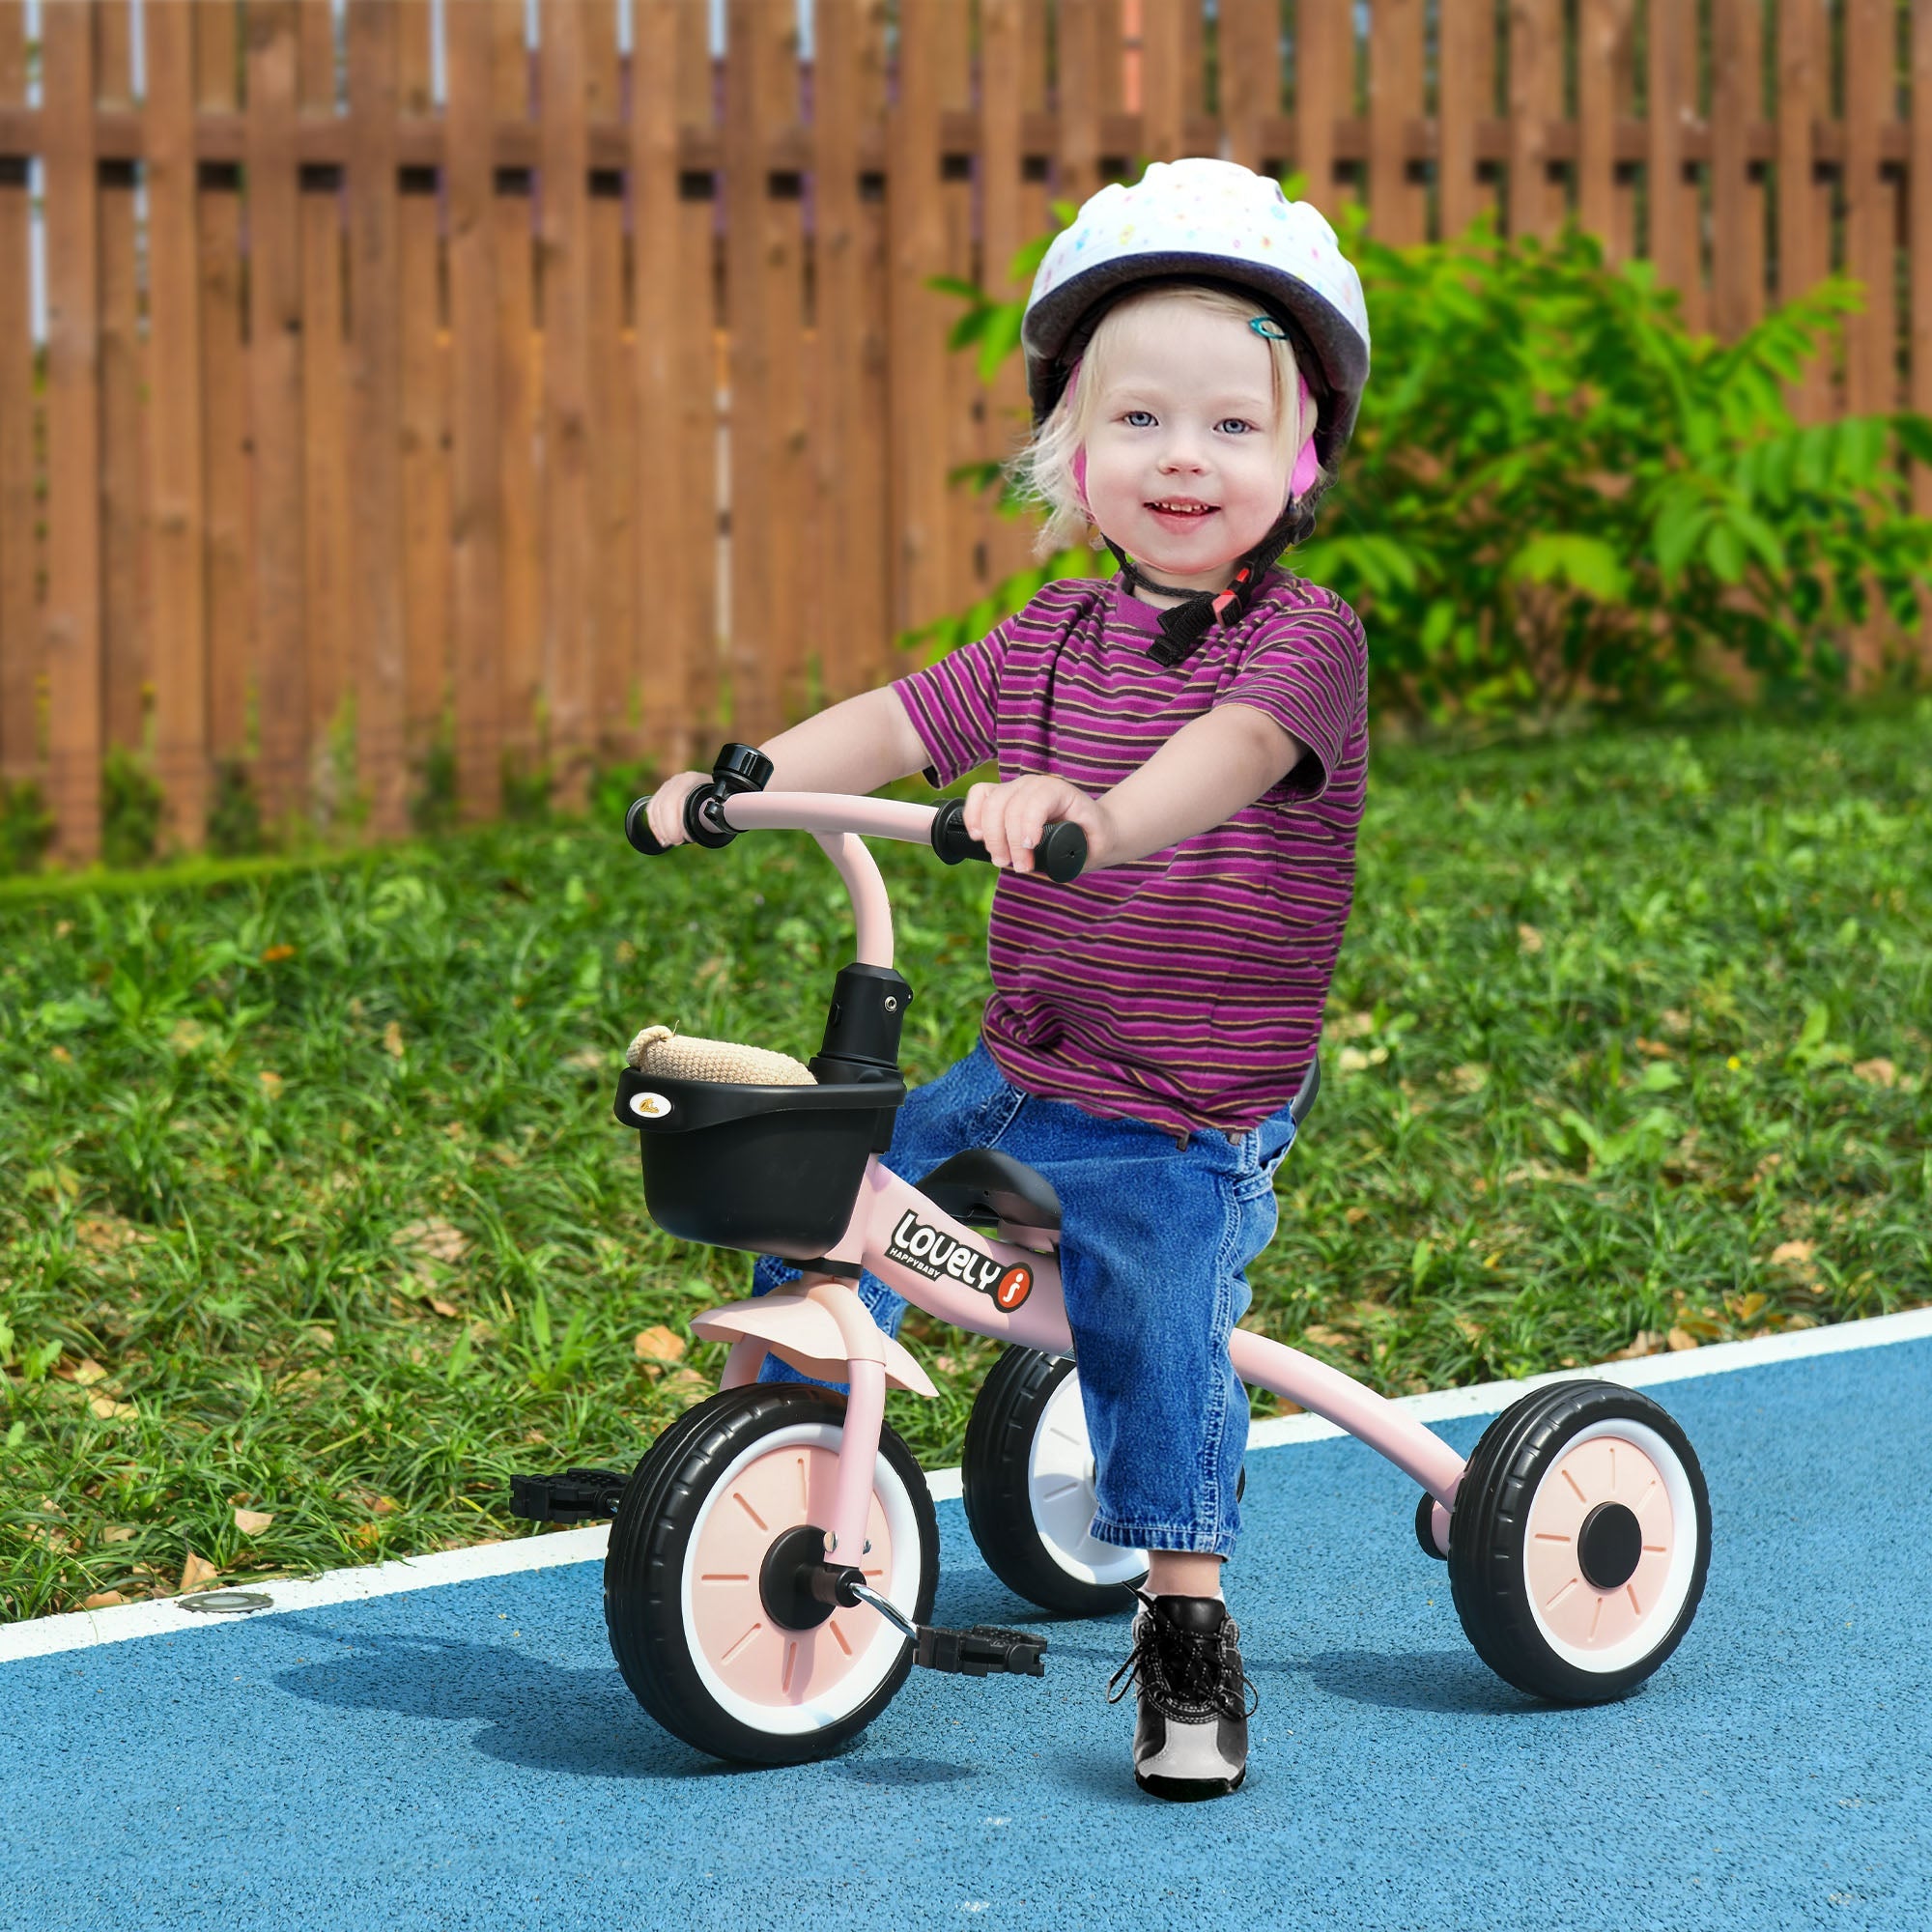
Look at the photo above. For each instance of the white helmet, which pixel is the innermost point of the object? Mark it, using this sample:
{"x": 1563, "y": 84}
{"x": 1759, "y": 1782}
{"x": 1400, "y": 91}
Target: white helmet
{"x": 1204, "y": 220}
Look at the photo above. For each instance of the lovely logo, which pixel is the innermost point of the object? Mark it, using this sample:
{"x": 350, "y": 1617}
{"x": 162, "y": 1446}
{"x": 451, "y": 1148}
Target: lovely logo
{"x": 935, "y": 1254}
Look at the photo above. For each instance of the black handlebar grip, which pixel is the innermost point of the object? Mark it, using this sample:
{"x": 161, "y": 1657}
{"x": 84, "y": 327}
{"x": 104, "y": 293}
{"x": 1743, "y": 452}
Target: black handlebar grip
{"x": 1061, "y": 853}
{"x": 637, "y": 830}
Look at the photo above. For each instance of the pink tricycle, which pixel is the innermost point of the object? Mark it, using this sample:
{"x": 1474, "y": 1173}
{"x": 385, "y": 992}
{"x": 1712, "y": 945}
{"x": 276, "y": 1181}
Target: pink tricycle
{"x": 774, "y": 1557}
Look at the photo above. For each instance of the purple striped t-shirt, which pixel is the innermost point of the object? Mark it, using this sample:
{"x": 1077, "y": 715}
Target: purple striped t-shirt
{"x": 1186, "y": 988}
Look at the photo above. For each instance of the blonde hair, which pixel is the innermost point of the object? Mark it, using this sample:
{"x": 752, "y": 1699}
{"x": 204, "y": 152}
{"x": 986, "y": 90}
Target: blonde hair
{"x": 1043, "y": 472}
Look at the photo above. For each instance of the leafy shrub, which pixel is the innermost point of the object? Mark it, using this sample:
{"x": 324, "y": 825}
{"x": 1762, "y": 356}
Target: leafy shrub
{"x": 26, "y": 826}
{"x": 234, "y": 826}
{"x": 1556, "y": 493}
{"x": 131, "y": 810}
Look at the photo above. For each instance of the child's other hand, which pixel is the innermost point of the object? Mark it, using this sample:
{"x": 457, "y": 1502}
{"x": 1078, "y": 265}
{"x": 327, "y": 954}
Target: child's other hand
{"x": 1009, "y": 819}
{"x": 666, "y": 815}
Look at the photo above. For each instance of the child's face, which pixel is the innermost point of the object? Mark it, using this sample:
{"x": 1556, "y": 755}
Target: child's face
{"x": 1185, "y": 470}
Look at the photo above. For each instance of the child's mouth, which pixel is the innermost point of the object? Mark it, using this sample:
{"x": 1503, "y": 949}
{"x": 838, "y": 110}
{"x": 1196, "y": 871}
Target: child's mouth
{"x": 1180, "y": 512}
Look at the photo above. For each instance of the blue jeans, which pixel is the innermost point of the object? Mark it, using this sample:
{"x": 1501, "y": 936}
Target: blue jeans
{"x": 1156, "y": 1240}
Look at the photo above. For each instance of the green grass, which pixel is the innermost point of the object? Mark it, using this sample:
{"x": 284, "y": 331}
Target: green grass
{"x": 311, "y": 1183}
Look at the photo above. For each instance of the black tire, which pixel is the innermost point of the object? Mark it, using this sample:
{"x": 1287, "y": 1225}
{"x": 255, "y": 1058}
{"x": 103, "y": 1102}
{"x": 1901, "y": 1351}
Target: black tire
{"x": 668, "y": 1505}
{"x": 1006, "y": 1478}
{"x": 1516, "y": 1608}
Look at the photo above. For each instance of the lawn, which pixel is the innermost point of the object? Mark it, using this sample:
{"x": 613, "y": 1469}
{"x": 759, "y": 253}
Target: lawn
{"x": 315, "y": 1223}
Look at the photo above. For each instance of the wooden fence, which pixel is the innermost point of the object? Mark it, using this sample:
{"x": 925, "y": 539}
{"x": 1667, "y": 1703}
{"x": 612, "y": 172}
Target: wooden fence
{"x": 376, "y": 412}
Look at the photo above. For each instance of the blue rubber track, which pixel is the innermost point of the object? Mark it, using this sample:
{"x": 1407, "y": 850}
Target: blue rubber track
{"x": 469, "y": 1757}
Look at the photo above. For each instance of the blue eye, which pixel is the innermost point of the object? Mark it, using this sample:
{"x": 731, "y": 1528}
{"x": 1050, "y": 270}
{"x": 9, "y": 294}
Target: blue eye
{"x": 1138, "y": 418}
{"x": 1236, "y": 424}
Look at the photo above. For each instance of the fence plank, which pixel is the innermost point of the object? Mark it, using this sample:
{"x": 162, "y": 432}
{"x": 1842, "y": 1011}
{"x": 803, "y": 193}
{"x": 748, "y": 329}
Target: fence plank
{"x": 1324, "y": 92}
{"x": 919, "y": 317}
{"x": 1077, "y": 87}
{"x": 1165, "y": 101}
{"x": 425, "y": 419}
{"x": 1871, "y": 214}
{"x": 563, "y": 135}
{"x": 1918, "y": 252}
{"x": 1465, "y": 97}
{"x": 782, "y": 564}
{"x": 968, "y": 438}
{"x": 175, "y": 535}
{"x": 1250, "y": 74}
{"x": 20, "y": 637}
{"x": 1804, "y": 199}
{"x": 754, "y": 698}
{"x": 475, "y": 441}
{"x": 73, "y": 448}
{"x": 275, "y": 393}
{"x": 1737, "y": 198}
{"x": 613, "y": 592}
{"x": 1012, "y": 218}
{"x": 519, "y": 367}
{"x": 1605, "y": 202}
{"x": 1675, "y": 242}
{"x": 376, "y": 388}
{"x": 1395, "y": 102}
{"x": 328, "y": 647}
{"x": 122, "y": 606}
{"x": 1536, "y": 102}
{"x": 224, "y": 401}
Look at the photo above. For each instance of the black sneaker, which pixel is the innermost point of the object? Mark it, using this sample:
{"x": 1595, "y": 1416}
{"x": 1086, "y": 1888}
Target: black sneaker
{"x": 1195, "y": 1701}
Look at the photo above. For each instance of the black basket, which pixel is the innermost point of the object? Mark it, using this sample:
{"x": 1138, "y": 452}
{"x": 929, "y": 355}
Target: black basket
{"x": 772, "y": 1170}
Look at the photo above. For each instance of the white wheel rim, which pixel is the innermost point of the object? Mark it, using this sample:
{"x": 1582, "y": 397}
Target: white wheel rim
{"x": 882, "y": 1643}
{"x": 1059, "y": 1489}
{"x": 1638, "y": 1614}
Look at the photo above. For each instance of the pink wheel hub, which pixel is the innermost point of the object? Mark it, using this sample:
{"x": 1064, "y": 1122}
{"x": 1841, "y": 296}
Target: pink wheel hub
{"x": 1575, "y": 1612}
{"x": 758, "y": 1660}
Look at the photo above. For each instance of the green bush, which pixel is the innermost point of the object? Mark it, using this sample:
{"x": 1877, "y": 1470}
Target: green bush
{"x": 1557, "y": 493}
{"x": 131, "y": 810}
{"x": 233, "y": 812}
{"x": 26, "y": 826}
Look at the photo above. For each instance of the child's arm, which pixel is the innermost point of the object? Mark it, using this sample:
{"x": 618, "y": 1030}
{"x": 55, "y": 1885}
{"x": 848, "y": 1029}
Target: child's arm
{"x": 853, "y": 746}
{"x": 1205, "y": 774}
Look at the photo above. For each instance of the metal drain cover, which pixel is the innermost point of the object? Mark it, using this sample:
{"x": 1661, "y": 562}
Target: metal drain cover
{"x": 227, "y": 1603}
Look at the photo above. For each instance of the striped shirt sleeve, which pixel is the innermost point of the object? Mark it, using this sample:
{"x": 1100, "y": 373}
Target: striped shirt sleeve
{"x": 954, "y": 705}
{"x": 1308, "y": 670}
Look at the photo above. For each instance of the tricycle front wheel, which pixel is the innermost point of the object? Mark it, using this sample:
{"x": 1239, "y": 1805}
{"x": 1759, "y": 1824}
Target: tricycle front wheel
{"x": 709, "y": 1635}
{"x": 1580, "y": 1541}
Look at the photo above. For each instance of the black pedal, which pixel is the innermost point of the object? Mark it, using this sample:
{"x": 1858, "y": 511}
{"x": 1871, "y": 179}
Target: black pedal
{"x": 980, "y": 1651}
{"x": 578, "y": 1495}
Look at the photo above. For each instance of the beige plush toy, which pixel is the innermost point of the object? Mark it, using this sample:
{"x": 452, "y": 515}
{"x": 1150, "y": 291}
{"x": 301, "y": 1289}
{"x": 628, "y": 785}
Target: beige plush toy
{"x": 659, "y": 1050}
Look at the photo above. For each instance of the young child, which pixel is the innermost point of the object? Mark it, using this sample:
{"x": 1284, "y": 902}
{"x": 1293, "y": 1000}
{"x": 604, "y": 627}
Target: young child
{"x": 1196, "y": 348}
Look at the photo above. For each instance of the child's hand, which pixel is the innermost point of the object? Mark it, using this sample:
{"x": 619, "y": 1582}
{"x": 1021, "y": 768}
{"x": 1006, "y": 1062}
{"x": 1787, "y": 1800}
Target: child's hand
{"x": 1010, "y": 819}
{"x": 666, "y": 815}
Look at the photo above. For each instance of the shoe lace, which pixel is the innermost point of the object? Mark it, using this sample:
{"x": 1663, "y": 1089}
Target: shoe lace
{"x": 1189, "y": 1665}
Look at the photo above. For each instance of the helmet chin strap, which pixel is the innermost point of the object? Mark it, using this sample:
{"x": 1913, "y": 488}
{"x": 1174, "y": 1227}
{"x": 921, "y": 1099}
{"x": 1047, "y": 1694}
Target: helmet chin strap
{"x": 1183, "y": 625}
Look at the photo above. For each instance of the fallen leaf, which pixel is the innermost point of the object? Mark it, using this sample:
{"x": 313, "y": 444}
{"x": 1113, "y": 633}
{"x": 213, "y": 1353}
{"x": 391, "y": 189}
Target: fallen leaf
{"x": 658, "y": 1344}
{"x": 392, "y": 1039}
{"x": 1680, "y": 1339}
{"x": 1652, "y": 1049}
{"x": 61, "y": 1054}
{"x": 1353, "y": 1214}
{"x": 1530, "y": 939}
{"x": 195, "y": 1574}
{"x": 385, "y": 1506}
{"x": 1673, "y": 1021}
{"x": 273, "y": 956}
{"x": 119, "y": 1532}
{"x": 107, "y": 1409}
{"x": 686, "y": 1387}
{"x": 103, "y": 1600}
{"x": 1795, "y": 1252}
{"x": 321, "y": 1338}
{"x": 1327, "y": 1338}
{"x": 271, "y": 1084}
{"x": 434, "y": 1238}
{"x": 1880, "y": 1073}
{"x": 1471, "y": 1077}
{"x": 84, "y": 1374}
{"x": 442, "y": 1307}
{"x": 252, "y": 1522}
{"x": 185, "y": 1035}
{"x": 367, "y": 1535}
{"x": 1648, "y": 1342}
{"x": 108, "y": 1234}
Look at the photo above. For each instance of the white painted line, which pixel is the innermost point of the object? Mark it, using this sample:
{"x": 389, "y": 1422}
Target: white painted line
{"x": 80, "y": 1629}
